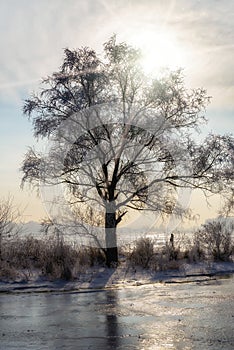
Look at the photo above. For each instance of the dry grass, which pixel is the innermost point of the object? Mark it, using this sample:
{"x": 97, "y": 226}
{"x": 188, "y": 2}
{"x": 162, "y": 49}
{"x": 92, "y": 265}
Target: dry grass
{"x": 142, "y": 253}
{"x": 147, "y": 254}
{"x": 7, "y": 272}
{"x": 51, "y": 258}
{"x": 55, "y": 259}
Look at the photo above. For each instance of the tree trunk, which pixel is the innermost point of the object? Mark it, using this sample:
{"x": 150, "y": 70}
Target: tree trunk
{"x": 111, "y": 250}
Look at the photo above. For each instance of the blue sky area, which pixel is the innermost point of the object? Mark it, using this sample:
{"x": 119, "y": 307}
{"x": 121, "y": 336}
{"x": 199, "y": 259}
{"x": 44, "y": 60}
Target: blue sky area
{"x": 197, "y": 35}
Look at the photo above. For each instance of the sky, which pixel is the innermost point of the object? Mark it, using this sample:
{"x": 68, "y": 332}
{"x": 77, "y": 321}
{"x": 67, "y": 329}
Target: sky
{"x": 195, "y": 35}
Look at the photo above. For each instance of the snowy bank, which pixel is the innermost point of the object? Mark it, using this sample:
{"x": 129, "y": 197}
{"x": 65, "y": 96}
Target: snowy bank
{"x": 123, "y": 276}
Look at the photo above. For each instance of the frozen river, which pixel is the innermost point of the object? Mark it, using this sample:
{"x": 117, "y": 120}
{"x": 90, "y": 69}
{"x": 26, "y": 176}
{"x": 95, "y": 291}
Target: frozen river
{"x": 198, "y": 315}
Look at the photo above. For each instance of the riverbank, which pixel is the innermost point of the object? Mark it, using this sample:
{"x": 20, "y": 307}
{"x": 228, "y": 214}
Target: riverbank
{"x": 97, "y": 277}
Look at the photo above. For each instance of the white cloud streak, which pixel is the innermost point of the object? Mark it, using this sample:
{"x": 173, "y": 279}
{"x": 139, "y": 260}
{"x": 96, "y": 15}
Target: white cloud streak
{"x": 34, "y": 33}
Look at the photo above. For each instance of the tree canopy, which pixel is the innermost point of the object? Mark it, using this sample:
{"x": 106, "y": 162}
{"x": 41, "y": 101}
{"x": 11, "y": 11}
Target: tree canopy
{"x": 122, "y": 140}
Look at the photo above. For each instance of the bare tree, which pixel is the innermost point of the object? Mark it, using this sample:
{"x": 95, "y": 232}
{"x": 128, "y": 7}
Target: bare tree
{"x": 8, "y": 217}
{"x": 114, "y": 131}
{"x": 215, "y": 238}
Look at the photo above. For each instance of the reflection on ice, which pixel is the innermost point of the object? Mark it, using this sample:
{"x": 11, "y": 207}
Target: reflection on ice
{"x": 159, "y": 316}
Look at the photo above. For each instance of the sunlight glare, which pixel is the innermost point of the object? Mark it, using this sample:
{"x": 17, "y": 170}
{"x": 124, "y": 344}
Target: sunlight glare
{"x": 159, "y": 50}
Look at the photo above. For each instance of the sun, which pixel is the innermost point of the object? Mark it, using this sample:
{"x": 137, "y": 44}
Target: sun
{"x": 159, "y": 50}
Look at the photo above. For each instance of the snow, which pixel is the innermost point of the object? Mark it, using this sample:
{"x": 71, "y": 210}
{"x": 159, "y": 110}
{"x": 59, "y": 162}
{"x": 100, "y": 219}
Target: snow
{"x": 123, "y": 276}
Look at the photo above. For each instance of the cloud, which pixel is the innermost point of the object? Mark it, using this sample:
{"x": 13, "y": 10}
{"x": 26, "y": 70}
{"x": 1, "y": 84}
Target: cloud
{"x": 34, "y": 33}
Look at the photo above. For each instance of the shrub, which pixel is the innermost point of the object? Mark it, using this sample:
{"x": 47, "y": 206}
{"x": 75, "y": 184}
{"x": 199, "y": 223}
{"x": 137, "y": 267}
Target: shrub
{"x": 96, "y": 256}
{"x": 59, "y": 259}
{"x": 52, "y": 256}
{"x": 23, "y": 253}
{"x": 172, "y": 252}
{"x": 142, "y": 253}
{"x": 195, "y": 253}
{"x": 215, "y": 239}
{"x": 7, "y": 272}
{"x": 163, "y": 263}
